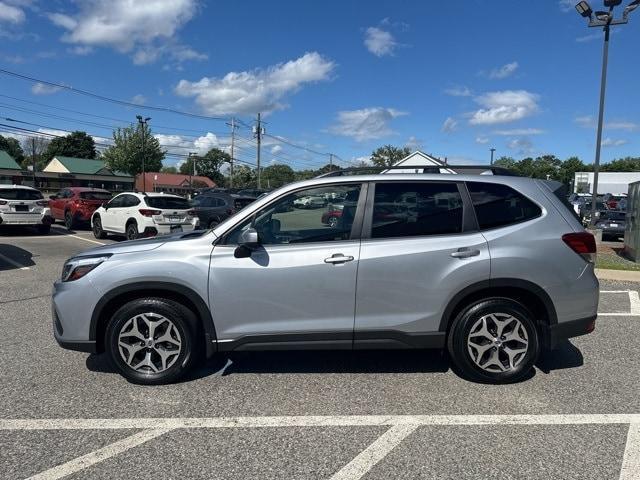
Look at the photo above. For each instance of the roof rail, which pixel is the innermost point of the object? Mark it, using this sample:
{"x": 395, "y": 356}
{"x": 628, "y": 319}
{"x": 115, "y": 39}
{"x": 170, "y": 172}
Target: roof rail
{"x": 426, "y": 168}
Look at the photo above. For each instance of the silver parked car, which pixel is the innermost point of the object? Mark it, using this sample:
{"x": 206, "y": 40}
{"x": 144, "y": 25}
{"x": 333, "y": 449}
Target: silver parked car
{"x": 495, "y": 269}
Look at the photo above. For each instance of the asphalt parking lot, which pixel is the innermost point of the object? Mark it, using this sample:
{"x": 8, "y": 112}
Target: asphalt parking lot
{"x": 340, "y": 415}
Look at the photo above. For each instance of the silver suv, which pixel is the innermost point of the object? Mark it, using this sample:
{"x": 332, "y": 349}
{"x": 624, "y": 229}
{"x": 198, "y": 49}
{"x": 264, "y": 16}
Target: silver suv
{"x": 495, "y": 269}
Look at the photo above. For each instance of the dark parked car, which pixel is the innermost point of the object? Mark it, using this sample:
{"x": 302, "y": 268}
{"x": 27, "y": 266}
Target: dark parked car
{"x": 214, "y": 207}
{"x": 585, "y": 211}
{"x": 75, "y": 205}
{"x": 252, "y": 192}
{"x": 612, "y": 223}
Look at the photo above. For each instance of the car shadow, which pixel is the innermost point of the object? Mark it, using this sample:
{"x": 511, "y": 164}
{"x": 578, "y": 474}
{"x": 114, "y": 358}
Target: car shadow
{"x": 566, "y": 355}
{"x": 14, "y": 257}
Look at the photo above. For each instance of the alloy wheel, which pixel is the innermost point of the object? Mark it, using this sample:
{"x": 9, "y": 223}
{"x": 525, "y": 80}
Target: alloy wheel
{"x": 149, "y": 343}
{"x": 498, "y": 342}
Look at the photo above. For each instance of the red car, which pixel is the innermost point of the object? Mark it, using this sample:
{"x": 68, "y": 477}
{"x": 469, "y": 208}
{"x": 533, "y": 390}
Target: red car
{"x": 332, "y": 217}
{"x": 75, "y": 205}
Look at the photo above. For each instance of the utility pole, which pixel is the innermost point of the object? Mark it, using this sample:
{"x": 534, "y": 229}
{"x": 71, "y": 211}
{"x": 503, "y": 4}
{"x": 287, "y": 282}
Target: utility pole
{"x": 258, "y": 131}
{"x": 233, "y": 138}
{"x": 192, "y": 170}
{"x": 143, "y": 126}
{"x": 492, "y": 152}
{"x": 33, "y": 160}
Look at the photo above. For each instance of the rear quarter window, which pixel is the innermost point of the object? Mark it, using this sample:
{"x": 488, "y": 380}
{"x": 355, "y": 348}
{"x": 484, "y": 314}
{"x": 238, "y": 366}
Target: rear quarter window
{"x": 498, "y": 205}
{"x": 168, "y": 203}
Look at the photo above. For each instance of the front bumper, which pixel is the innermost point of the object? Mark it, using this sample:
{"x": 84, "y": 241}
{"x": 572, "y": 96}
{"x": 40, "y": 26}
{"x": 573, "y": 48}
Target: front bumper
{"x": 559, "y": 332}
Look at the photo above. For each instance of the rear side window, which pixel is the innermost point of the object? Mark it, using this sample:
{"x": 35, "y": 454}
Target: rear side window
{"x": 168, "y": 203}
{"x": 415, "y": 209}
{"x": 499, "y": 205}
{"x": 20, "y": 194}
{"x": 95, "y": 195}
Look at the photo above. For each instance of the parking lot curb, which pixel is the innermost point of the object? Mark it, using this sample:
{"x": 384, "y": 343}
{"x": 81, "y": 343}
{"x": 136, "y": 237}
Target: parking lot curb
{"x": 619, "y": 275}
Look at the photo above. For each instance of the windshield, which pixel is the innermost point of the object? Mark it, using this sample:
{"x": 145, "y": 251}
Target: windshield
{"x": 176, "y": 203}
{"x": 20, "y": 194}
{"x": 95, "y": 195}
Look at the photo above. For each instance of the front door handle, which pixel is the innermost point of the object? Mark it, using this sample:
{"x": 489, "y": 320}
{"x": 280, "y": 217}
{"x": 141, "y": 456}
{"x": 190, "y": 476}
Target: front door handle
{"x": 465, "y": 253}
{"x": 338, "y": 258}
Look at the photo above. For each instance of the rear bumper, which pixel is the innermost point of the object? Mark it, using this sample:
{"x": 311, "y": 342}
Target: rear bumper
{"x": 11, "y": 218}
{"x": 559, "y": 332}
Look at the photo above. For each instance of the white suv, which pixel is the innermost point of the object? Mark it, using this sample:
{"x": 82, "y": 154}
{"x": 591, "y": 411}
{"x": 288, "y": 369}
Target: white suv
{"x": 144, "y": 215}
{"x": 21, "y": 205}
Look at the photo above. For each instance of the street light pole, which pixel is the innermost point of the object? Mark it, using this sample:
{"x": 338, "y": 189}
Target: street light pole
{"x": 602, "y": 19}
{"x": 143, "y": 125}
{"x": 492, "y": 152}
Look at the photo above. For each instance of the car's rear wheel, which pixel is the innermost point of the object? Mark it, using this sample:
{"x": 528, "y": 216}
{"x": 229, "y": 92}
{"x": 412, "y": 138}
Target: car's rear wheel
{"x": 494, "y": 340}
{"x": 153, "y": 341}
{"x": 69, "y": 221}
{"x": 132, "y": 231}
{"x": 213, "y": 223}
{"x": 333, "y": 222}
{"x": 98, "y": 232}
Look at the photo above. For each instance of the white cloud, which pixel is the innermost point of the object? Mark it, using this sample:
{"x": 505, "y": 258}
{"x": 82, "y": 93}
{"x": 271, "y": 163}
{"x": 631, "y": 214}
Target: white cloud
{"x": 519, "y": 131}
{"x": 379, "y": 42}
{"x": 358, "y": 161}
{"x": 585, "y": 121}
{"x": 482, "y": 139}
{"x": 567, "y": 5}
{"x": 147, "y": 28}
{"x": 80, "y": 50}
{"x": 11, "y": 14}
{"x": 43, "y": 89}
{"x": 414, "y": 143}
{"x": 139, "y": 99}
{"x": 449, "y": 125}
{"x": 259, "y": 90}
{"x": 504, "y": 71}
{"x": 504, "y": 106}
{"x": 203, "y": 144}
{"x": 589, "y": 121}
{"x": 523, "y": 146}
{"x": 276, "y": 149}
{"x": 459, "y": 92}
{"x": 366, "y": 123}
{"x": 609, "y": 142}
{"x": 589, "y": 37}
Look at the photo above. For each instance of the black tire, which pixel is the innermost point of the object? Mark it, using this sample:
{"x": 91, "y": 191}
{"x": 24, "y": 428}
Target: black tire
{"x": 69, "y": 221}
{"x": 461, "y": 329}
{"x": 333, "y": 222}
{"x": 182, "y": 318}
{"x": 44, "y": 229}
{"x": 98, "y": 232}
{"x": 132, "y": 231}
{"x": 213, "y": 223}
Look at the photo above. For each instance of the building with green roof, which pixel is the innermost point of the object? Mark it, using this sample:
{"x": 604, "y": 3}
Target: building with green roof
{"x": 10, "y": 171}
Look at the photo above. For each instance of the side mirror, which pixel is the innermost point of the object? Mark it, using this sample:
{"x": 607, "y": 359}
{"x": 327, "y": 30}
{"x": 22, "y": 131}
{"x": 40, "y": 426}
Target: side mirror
{"x": 247, "y": 241}
{"x": 249, "y": 238}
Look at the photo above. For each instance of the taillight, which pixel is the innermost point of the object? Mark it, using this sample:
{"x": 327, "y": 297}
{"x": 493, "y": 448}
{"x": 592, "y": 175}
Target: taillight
{"x": 148, "y": 212}
{"x": 583, "y": 243}
{"x": 40, "y": 203}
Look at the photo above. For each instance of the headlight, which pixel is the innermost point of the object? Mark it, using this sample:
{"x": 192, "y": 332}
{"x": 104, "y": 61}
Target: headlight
{"x": 76, "y": 268}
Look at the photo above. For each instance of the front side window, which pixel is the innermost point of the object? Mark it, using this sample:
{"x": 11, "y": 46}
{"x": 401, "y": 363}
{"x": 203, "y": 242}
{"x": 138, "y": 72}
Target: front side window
{"x": 117, "y": 202}
{"x": 498, "y": 205}
{"x": 321, "y": 214}
{"x": 416, "y": 209}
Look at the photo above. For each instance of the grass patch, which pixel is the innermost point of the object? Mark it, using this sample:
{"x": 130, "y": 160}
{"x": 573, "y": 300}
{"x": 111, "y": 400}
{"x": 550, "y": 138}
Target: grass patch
{"x": 613, "y": 261}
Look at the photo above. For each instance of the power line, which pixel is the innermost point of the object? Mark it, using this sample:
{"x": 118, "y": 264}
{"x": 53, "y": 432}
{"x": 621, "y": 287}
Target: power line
{"x": 107, "y": 99}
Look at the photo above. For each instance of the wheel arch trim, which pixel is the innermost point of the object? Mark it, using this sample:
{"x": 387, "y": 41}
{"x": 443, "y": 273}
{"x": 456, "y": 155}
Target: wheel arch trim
{"x": 525, "y": 285}
{"x": 198, "y": 302}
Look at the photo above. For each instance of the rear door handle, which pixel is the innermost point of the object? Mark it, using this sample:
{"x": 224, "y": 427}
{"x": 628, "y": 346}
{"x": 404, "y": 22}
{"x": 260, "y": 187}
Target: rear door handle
{"x": 465, "y": 253}
{"x": 338, "y": 258}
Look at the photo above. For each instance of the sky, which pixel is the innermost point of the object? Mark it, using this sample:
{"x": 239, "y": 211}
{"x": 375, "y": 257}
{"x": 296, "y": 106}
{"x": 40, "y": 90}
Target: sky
{"x": 452, "y": 78}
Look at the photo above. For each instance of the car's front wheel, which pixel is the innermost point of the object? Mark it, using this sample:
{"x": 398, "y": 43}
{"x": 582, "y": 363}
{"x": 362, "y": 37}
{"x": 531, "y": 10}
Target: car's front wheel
{"x": 494, "y": 340}
{"x": 153, "y": 341}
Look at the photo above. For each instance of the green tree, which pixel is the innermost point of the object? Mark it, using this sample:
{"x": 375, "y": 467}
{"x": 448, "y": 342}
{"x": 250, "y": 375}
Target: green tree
{"x": 627, "y": 164}
{"x": 76, "y": 144}
{"x": 244, "y": 177}
{"x": 277, "y": 175}
{"x": 12, "y": 147}
{"x": 35, "y": 148}
{"x": 568, "y": 169}
{"x": 170, "y": 169}
{"x": 326, "y": 169}
{"x": 208, "y": 165}
{"x": 304, "y": 174}
{"x": 125, "y": 154}
{"x": 388, "y": 155}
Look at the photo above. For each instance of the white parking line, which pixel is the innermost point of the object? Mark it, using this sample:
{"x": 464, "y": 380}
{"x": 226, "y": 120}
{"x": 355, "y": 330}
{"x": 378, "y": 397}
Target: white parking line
{"x": 13, "y": 262}
{"x": 634, "y": 300}
{"x": 311, "y": 421}
{"x": 365, "y": 461}
{"x": 85, "y": 461}
{"x": 634, "y": 304}
{"x": 85, "y": 239}
{"x": 631, "y": 459}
